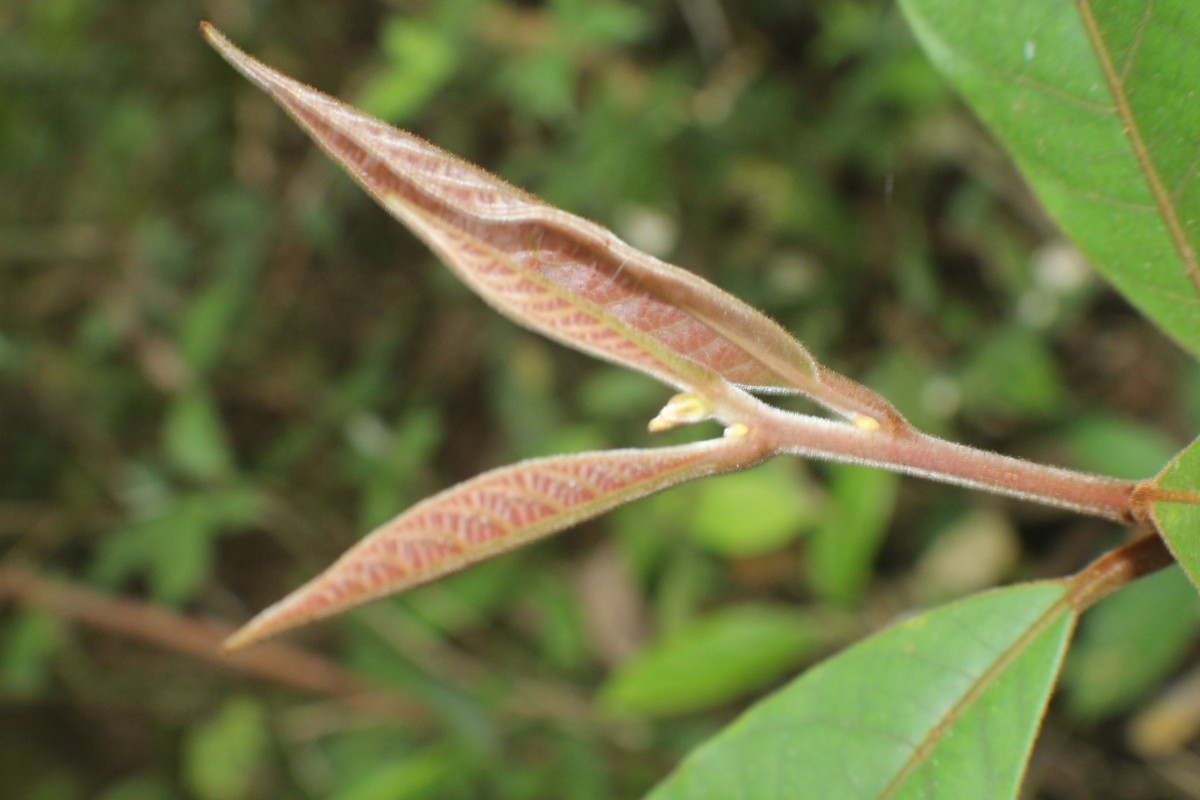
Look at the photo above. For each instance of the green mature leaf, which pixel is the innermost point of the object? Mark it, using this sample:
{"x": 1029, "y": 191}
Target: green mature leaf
{"x": 1178, "y": 518}
{"x": 711, "y": 661}
{"x": 950, "y": 699}
{"x": 1086, "y": 96}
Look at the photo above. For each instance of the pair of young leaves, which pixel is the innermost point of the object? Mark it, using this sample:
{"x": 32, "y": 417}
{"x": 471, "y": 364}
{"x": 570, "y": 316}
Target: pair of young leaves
{"x": 573, "y": 281}
{"x": 969, "y": 714}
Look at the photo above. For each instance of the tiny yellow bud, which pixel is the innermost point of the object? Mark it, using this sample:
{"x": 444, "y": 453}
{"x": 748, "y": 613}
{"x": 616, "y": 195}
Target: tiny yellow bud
{"x": 737, "y": 429}
{"x": 865, "y": 423}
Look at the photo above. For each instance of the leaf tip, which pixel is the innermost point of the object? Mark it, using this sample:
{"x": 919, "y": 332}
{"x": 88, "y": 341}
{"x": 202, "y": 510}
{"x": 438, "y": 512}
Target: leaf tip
{"x": 306, "y": 604}
{"x": 210, "y": 32}
{"x": 265, "y": 624}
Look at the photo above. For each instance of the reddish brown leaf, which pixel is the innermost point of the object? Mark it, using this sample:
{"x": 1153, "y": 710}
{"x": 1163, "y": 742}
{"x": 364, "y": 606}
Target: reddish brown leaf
{"x": 490, "y": 514}
{"x": 551, "y": 271}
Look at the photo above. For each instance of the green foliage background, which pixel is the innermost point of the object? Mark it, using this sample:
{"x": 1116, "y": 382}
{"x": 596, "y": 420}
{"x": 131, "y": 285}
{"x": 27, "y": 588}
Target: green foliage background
{"x": 220, "y": 363}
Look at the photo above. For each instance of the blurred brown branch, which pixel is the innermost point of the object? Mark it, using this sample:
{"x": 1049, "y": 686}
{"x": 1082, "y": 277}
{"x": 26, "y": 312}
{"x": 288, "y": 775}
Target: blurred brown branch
{"x": 201, "y": 639}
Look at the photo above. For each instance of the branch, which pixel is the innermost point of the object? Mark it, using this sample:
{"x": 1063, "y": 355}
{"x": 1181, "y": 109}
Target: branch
{"x": 277, "y": 663}
{"x": 904, "y": 449}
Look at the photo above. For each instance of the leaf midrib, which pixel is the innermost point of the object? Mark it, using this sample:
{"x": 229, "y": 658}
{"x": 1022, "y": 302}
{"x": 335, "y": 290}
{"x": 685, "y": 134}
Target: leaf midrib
{"x": 1141, "y": 153}
{"x": 981, "y": 684}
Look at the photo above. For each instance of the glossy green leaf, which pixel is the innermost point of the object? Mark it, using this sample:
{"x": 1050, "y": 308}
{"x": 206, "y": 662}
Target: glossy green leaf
{"x": 945, "y": 704}
{"x": 711, "y": 661}
{"x": 841, "y": 551}
{"x": 1086, "y": 96}
{"x": 1130, "y": 643}
{"x": 1179, "y": 521}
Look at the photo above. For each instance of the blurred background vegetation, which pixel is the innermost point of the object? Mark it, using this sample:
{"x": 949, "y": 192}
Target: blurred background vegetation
{"x": 220, "y": 364}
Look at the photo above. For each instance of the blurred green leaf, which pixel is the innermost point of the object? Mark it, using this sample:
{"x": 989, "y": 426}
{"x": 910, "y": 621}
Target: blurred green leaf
{"x": 841, "y": 552}
{"x": 174, "y": 548}
{"x": 57, "y": 786}
{"x": 223, "y": 757}
{"x": 754, "y": 512}
{"x": 1012, "y": 372}
{"x": 420, "y": 59}
{"x": 208, "y": 323}
{"x": 140, "y": 787}
{"x": 1117, "y": 446}
{"x": 390, "y": 459}
{"x": 194, "y": 437}
{"x": 578, "y": 771}
{"x": 1130, "y": 643}
{"x": 711, "y": 661}
{"x": 29, "y": 640}
{"x": 541, "y": 83}
{"x": 415, "y": 775}
{"x": 604, "y": 22}
{"x": 562, "y": 632}
{"x": 1086, "y": 97}
{"x": 950, "y": 699}
{"x": 613, "y": 393}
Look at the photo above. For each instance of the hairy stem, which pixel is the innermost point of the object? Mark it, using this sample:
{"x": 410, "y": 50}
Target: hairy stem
{"x": 905, "y": 449}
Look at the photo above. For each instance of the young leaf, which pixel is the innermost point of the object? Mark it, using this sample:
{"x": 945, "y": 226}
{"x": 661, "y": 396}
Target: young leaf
{"x": 491, "y": 514}
{"x": 951, "y": 699}
{"x": 553, "y": 272}
{"x": 1085, "y": 95}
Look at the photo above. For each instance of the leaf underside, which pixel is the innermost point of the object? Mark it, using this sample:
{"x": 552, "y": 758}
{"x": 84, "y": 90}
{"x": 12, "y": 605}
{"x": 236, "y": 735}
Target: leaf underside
{"x": 490, "y": 514}
{"x": 946, "y": 704}
{"x": 548, "y": 270}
